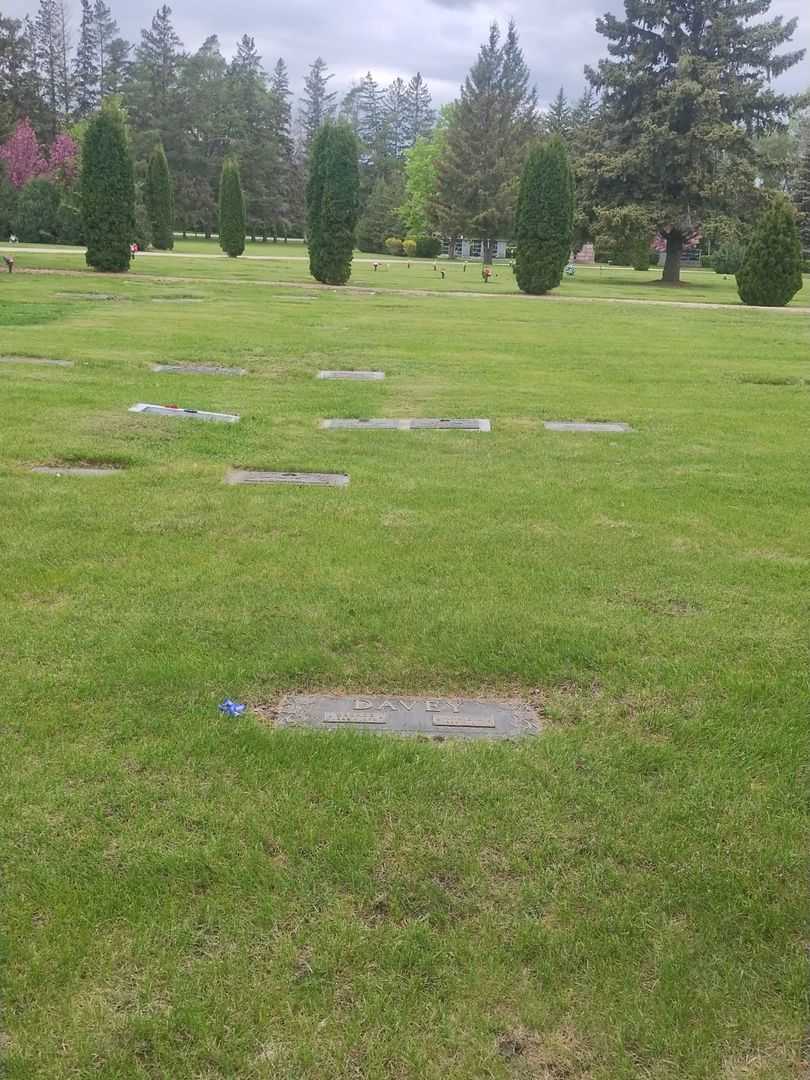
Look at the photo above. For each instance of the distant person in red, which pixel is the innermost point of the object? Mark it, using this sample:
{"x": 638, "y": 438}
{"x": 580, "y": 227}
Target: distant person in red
{"x": 486, "y": 274}
{"x": 134, "y": 249}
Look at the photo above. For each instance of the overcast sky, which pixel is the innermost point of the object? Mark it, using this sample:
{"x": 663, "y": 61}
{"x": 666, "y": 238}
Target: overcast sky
{"x": 398, "y": 37}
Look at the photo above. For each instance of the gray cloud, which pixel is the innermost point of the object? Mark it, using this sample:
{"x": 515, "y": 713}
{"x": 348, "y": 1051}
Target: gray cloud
{"x": 390, "y": 37}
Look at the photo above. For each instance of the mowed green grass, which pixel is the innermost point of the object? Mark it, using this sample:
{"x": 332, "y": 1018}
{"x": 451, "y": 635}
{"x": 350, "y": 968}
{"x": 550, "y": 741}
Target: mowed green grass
{"x": 188, "y": 895}
{"x": 277, "y": 263}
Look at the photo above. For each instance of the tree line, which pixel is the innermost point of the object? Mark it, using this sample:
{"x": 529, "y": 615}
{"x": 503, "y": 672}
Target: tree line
{"x": 678, "y": 137}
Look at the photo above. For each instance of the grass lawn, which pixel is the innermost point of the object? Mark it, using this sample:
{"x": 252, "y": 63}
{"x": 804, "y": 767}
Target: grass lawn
{"x": 193, "y": 896}
{"x": 278, "y": 263}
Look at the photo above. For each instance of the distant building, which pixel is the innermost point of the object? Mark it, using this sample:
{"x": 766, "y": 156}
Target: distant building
{"x": 471, "y": 249}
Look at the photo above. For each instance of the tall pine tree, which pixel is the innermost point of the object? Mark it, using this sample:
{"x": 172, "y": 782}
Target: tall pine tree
{"x": 686, "y": 88}
{"x": 85, "y": 65}
{"x": 419, "y": 114}
{"x": 485, "y": 144}
{"x": 318, "y": 104}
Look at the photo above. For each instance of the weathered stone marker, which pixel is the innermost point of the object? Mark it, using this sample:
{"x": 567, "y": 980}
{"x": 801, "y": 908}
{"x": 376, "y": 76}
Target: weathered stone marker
{"x": 76, "y": 470}
{"x": 178, "y": 299}
{"x": 198, "y": 369}
{"x": 184, "y": 414}
{"x": 367, "y": 376}
{"x": 576, "y": 425}
{"x": 437, "y": 718}
{"x": 254, "y": 476}
{"x": 35, "y": 360}
{"x": 406, "y": 425}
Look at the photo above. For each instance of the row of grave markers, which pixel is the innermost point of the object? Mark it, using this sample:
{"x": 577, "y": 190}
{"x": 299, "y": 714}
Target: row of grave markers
{"x": 251, "y": 476}
{"x": 436, "y": 718}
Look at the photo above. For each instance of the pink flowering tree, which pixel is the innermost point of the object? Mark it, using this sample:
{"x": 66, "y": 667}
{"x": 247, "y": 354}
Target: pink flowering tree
{"x": 22, "y": 155}
{"x": 63, "y": 159}
{"x": 25, "y": 159}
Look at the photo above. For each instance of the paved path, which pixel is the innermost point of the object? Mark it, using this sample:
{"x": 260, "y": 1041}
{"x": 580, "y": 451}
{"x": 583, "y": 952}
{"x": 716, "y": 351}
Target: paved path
{"x": 456, "y": 294}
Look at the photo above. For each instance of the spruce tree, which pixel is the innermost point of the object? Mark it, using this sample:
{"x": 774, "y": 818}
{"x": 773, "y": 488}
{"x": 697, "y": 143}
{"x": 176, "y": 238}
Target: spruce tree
{"x": 160, "y": 200}
{"x": 544, "y": 222}
{"x": 485, "y": 144}
{"x": 107, "y": 191}
{"x": 419, "y": 114}
{"x": 771, "y": 273}
{"x": 85, "y": 66}
{"x": 558, "y": 118}
{"x": 318, "y": 104}
{"x": 687, "y": 88}
{"x": 231, "y": 210}
{"x": 332, "y": 203}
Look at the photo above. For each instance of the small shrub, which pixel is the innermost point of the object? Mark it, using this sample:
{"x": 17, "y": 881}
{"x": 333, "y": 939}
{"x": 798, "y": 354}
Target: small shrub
{"x": 771, "y": 273}
{"x": 393, "y": 245}
{"x": 428, "y": 247}
{"x": 409, "y": 246}
{"x": 707, "y": 262}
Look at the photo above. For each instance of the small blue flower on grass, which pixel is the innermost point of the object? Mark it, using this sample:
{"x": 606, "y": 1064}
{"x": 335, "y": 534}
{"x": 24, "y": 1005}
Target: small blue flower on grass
{"x": 232, "y": 708}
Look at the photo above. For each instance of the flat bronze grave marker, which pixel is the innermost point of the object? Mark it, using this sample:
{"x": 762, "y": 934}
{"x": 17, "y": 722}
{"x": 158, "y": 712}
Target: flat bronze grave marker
{"x": 577, "y": 425}
{"x": 76, "y": 470}
{"x": 409, "y": 424}
{"x": 435, "y": 718}
{"x": 184, "y": 414}
{"x": 365, "y": 376}
{"x": 198, "y": 369}
{"x": 255, "y": 476}
{"x": 35, "y": 360}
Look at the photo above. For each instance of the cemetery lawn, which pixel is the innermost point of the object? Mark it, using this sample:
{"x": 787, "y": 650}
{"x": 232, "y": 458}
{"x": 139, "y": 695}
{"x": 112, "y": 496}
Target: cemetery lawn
{"x": 188, "y": 895}
{"x": 275, "y": 264}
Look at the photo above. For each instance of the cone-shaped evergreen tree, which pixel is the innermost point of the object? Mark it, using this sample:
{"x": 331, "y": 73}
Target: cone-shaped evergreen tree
{"x": 333, "y": 195}
{"x": 801, "y": 196}
{"x": 231, "y": 210}
{"x": 108, "y": 190}
{"x": 544, "y": 223}
{"x": 160, "y": 200}
{"x": 771, "y": 273}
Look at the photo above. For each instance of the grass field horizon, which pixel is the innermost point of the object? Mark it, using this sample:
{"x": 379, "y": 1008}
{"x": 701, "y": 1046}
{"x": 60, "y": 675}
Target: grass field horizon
{"x": 279, "y": 263}
{"x": 193, "y": 895}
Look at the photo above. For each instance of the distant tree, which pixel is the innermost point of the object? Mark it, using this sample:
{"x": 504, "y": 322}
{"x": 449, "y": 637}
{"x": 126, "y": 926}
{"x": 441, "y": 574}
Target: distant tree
{"x": 107, "y": 190}
{"x": 118, "y": 69}
{"x": 626, "y": 233}
{"x": 22, "y": 155}
{"x": 419, "y": 115}
{"x": 684, "y": 93}
{"x": 85, "y": 65}
{"x": 420, "y": 184}
{"x": 544, "y": 226}
{"x": 771, "y": 273}
{"x": 36, "y": 218}
{"x": 381, "y": 217}
{"x": 558, "y": 118}
{"x": 231, "y": 210}
{"x": 46, "y": 51}
{"x": 485, "y": 144}
{"x": 160, "y": 200}
{"x": 318, "y": 104}
{"x": 105, "y": 32}
{"x": 20, "y": 90}
{"x": 155, "y": 96}
{"x": 395, "y": 118}
{"x": 801, "y": 187}
{"x": 332, "y": 203}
